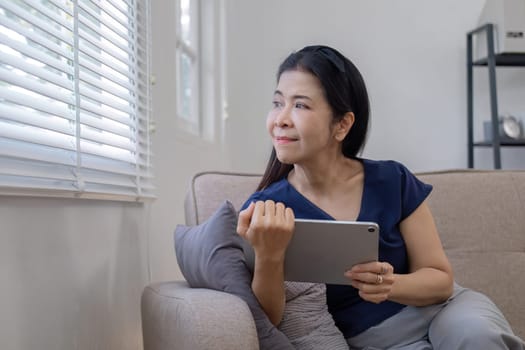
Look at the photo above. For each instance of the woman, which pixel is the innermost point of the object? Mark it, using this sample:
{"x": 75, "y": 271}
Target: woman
{"x": 408, "y": 298}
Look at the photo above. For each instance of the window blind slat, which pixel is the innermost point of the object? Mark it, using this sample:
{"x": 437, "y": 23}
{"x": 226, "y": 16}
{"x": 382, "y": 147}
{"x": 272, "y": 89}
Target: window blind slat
{"x": 124, "y": 7}
{"x": 109, "y": 166}
{"x": 38, "y": 136}
{"x": 111, "y": 33}
{"x": 104, "y": 47}
{"x": 37, "y": 22}
{"x": 107, "y": 151}
{"x": 35, "y": 38}
{"x": 64, "y": 5}
{"x": 114, "y": 189}
{"x": 105, "y": 112}
{"x": 116, "y": 73}
{"x": 27, "y": 151}
{"x": 97, "y": 177}
{"x": 31, "y": 117}
{"x": 37, "y": 71}
{"x": 28, "y": 51}
{"x": 32, "y": 85}
{"x": 103, "y": 9}
{"x": 110, "y": 43}
{"x": 43, "y": 105}
{"x": 106, "y": 124}
{"x": 113, "y": 89}
{"x": 106, "y": 100}
{"x": 54, "y": 16}
{"x": 106, "y": 138}
{"x": 11, "y": 166}
{"x": 30, "y": 182}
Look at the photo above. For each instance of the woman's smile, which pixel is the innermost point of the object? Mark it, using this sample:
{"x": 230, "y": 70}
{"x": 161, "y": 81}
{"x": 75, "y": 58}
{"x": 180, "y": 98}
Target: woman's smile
{"x": 284, "y": 140}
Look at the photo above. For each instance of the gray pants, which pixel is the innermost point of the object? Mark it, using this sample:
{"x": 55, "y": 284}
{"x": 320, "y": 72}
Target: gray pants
{"x": 467, "y": 321}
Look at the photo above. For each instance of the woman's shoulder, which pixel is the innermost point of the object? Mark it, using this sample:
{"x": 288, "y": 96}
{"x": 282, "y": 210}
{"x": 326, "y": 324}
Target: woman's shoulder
{"x": 386, "y": 167}
{"x": 388, "y": 173}
{"x": 390, "y": 179}
{"x": 273, "y": 191}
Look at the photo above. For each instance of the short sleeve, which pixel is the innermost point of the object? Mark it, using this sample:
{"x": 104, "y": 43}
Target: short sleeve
{"x": 253, "y": 198}
{"x": 277, "y": 191}
{"x": 413, "y": 192}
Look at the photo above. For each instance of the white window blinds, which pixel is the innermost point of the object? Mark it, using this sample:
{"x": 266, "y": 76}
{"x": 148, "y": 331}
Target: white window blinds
{"x": 75, "y": 98}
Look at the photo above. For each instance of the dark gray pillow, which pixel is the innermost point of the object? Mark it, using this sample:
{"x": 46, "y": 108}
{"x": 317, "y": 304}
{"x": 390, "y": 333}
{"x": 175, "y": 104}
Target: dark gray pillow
{"x": 210, "y": 256}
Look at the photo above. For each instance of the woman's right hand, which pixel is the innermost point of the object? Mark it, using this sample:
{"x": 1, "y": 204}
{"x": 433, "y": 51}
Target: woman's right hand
{"x": 268, "y": 226}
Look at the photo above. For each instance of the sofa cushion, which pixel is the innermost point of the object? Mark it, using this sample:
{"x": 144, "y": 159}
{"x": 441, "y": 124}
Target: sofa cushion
{"x": 210, "y": 256}
{"x": 479, "y": 216}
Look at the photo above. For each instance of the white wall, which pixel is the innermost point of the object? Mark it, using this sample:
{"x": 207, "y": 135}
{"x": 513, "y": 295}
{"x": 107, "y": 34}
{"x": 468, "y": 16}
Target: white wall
{"x": 178, "y": 155}
{"x": 72, "y": 272}
{"x": 413, "y": 57}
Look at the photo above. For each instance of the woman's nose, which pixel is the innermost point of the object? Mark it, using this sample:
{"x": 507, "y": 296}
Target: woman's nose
{"x": 282, "y": 118}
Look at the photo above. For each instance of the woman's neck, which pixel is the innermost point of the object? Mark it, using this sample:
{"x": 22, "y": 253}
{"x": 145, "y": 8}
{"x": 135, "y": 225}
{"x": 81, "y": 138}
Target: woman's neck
{"x": 324, "y": 178}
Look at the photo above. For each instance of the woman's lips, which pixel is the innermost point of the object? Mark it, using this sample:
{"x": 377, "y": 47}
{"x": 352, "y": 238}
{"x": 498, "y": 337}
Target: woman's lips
{"x": 281, "y": 140}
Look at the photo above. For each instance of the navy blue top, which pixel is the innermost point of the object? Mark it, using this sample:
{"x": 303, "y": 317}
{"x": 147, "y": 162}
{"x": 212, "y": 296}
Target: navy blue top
{"x": 390, "y": 194}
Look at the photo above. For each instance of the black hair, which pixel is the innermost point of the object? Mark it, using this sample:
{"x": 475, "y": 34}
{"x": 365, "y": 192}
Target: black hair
{"x": 345, "y": 91}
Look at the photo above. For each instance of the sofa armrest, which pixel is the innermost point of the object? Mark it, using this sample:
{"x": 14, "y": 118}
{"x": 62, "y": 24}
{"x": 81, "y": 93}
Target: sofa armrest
{"x": 175, "y": 316}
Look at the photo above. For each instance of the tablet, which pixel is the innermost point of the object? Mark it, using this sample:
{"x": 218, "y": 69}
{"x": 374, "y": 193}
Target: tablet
{"x": 322, "y": 250}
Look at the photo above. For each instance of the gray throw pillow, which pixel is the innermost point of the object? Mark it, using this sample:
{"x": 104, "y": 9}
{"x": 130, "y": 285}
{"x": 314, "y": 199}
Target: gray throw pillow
{"x": 210, "y": 256}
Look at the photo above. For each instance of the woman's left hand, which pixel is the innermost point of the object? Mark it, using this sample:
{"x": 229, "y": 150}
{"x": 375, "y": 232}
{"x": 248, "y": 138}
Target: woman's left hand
{"x": 374, "y": 280}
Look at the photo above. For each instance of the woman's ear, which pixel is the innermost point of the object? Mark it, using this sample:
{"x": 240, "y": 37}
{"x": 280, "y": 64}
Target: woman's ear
{"x": 344, "y": 125}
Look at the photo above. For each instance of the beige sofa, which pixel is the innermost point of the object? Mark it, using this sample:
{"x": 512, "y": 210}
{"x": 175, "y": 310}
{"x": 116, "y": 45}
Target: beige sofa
{"x": 480, "y": 216}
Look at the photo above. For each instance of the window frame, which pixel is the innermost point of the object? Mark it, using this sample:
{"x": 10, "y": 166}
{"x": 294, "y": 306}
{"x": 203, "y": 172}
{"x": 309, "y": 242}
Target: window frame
{"x": 192, "y": 123}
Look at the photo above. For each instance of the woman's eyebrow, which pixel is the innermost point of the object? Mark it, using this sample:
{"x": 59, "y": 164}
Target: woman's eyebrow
{"x": 295, "y": 97}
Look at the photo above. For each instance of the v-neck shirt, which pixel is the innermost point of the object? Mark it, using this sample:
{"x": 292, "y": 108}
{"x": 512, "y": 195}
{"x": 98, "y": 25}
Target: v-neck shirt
{"x": 390, "y": 194}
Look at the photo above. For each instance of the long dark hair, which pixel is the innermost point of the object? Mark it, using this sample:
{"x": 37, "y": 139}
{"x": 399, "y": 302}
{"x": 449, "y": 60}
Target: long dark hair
{"x": 345, "y": 91}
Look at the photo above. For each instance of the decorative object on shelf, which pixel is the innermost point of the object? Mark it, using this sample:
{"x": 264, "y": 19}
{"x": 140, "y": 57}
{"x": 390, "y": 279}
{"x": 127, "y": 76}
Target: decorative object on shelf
{"x": 510, "y": 128}
{"x": 508, "y": 17}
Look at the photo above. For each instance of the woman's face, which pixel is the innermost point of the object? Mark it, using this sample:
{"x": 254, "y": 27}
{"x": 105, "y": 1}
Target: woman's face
{"x": 301, "y": 120}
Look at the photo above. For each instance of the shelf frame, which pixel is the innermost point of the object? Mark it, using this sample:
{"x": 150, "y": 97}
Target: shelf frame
{"x": 503, "y": 143}
{"x": 490, "y": 62}
{"x": 504, "y": 60}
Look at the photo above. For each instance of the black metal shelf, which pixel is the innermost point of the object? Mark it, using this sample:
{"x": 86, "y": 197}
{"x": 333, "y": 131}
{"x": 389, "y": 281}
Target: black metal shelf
{"x": 491, "y": 62}
{"x": 504, "y": 60}
{"x": 505, "y": 143}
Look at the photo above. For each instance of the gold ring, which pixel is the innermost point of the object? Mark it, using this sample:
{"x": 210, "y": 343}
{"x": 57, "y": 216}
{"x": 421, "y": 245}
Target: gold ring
{"x": 379, "y": 279}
